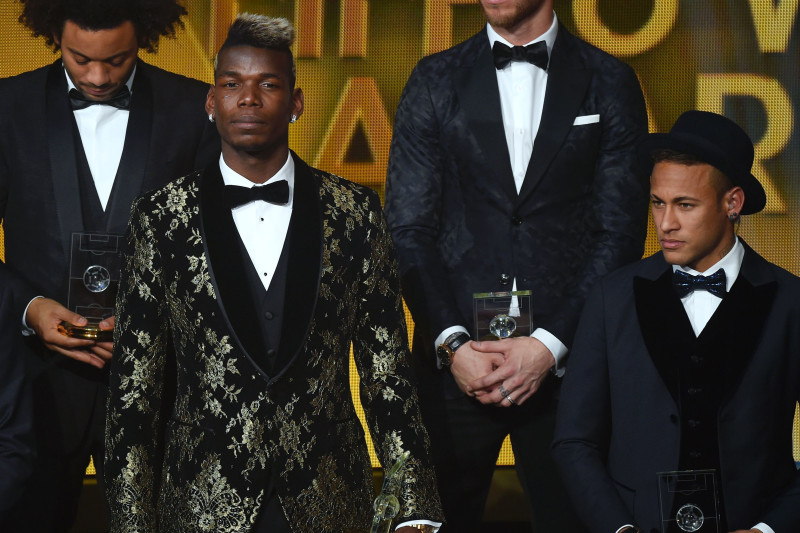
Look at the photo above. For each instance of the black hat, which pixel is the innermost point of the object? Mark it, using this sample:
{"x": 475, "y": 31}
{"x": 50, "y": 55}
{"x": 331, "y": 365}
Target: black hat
{"x": 715, "y": 140}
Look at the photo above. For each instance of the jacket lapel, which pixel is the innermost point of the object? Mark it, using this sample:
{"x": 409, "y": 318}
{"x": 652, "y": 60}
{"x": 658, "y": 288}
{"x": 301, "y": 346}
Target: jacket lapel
{"x": 226, "y": 265}
{"x": 61, "y": 148}
{"x": 567, "y": 81}
{"x": 305, "y": 262}
{"x": 479, "y": 97}
{"x": 130, "y": 173}
{"x": 665, "y": 328}
{"x": 738, "y": 323}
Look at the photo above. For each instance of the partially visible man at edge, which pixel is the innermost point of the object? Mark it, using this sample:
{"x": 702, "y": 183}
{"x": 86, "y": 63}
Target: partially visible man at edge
{"x": 81, "y": 138}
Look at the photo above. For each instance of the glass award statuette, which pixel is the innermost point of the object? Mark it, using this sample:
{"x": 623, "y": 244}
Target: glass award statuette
{"x": 386, "y": 505}
{"x": 500, "y": 315}
{"x": 689, "y": 501}
{"x": 93, "y": 281}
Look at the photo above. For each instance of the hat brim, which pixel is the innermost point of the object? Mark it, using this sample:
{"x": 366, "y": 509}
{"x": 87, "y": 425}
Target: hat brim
{"x": 754, "y": 196}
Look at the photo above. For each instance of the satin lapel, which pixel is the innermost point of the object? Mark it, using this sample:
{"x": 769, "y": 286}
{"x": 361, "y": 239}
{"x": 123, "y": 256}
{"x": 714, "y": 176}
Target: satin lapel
{"x": 305, "y": 262}
{"x": 226, "y": 264}
{"x": 738, "y": 323}
{"x": 567, "y": 81}
{"x": 476, "y": 87}
{"x": 61, "y": 147}
{"x": 132, "y": 164}
{"x": 666, "y": 329}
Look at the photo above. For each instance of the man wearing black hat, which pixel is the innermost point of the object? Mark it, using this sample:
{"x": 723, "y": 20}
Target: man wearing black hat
{"x": 688, "y": 360}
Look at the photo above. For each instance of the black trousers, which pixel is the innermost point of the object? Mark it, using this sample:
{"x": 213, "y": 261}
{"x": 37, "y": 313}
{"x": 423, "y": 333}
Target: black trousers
{"x": 466, "y": 437}
{"x": 49, "y": 503}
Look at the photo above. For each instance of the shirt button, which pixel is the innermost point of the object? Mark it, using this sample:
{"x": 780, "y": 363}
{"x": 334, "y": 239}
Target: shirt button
{"x": 268, "y": 315}
{"x": 265, "y": 274}
{"x": 693, "y": 423}
{"x": 694, "y": 454}
{"x": 516, "y": 220}
{"x": 505, "y": 279}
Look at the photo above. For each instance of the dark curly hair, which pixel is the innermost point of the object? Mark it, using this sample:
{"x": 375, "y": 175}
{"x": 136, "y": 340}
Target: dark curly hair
{"x": 150, "y": 18}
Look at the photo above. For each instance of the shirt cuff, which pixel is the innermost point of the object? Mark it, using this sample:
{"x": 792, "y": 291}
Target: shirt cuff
{"x": 556, "y": 347}
{"x": 26, "y": 329}
{"x": 436, "y": 525}
{"x": 764, "y": 528}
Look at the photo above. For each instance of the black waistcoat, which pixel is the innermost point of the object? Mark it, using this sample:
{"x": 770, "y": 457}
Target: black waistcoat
{"x": 269, "y": 306}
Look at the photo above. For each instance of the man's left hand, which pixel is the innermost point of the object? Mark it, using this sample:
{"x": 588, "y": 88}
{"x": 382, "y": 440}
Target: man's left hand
{"x": 527, "y": 362}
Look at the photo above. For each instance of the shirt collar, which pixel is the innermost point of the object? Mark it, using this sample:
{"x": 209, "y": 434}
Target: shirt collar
{"x": 129, "y": 83}
{"x": 731, "y": 263}
{"x": 286, "y": 172}
{"x": 549, "y": 37}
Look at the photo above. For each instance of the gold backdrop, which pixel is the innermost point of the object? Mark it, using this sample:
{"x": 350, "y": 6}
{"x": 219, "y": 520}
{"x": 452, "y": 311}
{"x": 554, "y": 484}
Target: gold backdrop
{"x": 354, "y": 56}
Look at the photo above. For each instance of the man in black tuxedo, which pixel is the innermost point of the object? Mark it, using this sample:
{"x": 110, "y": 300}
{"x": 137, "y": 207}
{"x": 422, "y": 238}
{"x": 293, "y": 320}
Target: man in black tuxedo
{"x": 510, "y": 168}
{"x": 81, "y": 138}
{"x": 688, "y": 360}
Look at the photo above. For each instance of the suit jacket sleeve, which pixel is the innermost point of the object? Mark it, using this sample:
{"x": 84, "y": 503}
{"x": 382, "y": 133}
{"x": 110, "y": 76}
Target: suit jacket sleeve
{"x": 133, "y": 420}
{"x": 583, "y": 426}
{"x": 388, "y": 391}
{"x": 620, "y": 198}
{"x": 16, "y": 414}
{"x": 413, "y": 208}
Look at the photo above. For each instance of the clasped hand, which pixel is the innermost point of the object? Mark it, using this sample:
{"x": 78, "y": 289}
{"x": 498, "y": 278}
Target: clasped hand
{"x": 495, "y": 371}
{"x": 44, "y": 315}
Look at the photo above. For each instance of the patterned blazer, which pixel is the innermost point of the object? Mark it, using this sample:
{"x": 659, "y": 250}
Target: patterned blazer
{"x": 195, "y": 428}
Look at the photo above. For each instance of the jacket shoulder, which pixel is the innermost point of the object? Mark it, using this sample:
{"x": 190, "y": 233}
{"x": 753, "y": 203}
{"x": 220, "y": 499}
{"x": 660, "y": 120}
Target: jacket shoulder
{"x": 462, "y": 54}
{"x": 165, "y": 77}
{"x": 175, "y": 196}
{"x": 592, "y": 57}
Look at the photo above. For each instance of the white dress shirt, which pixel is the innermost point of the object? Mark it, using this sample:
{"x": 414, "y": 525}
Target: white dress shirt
{"x": 522, "y": 88}
{"x": 102, "y": 129}
{"x": 701, "y": 305}
{"x": 261, "y": 225}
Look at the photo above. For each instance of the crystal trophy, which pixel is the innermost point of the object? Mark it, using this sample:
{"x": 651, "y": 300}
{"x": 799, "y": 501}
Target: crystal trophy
{"x": 93, "y": 282}
{"x": 499, "y": 315}
{"x": 386, "y": 505}
{"x": 689, "y": 502}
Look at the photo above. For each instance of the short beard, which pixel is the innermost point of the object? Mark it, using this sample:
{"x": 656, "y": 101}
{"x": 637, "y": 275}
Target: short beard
{"x": 512, "y": 20}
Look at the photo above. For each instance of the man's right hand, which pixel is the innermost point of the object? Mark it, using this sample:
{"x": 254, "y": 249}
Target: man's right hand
{"x": 44, "y": 315}
{"x": 469, "y": 365}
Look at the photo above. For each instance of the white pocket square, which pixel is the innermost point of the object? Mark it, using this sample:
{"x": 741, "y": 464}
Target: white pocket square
{"x": 586, "y": 119}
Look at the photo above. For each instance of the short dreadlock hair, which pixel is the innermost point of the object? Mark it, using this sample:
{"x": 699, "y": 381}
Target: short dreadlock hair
{"x": 151, "y": 18}
{"x": 260, "y": 31}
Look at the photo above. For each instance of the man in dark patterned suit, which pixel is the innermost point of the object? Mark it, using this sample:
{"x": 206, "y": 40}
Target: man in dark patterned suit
{"x": 252, "y": 278}
{"x": 510, "y": 168}
{"x": 81, "y": 138}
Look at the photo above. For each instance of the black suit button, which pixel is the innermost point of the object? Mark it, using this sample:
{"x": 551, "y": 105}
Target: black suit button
{"x": 505, "y": 279}
{"x": 696, "y": 359}
{"x": 694, "y": 454}
{"x": 268, "y": 315}
{"x": 516, "y": 220}
{"x": 693, "y": 423}
{"x": 694, "y": 390}
{"x": 271, "y": 353}
{"x": 673, "y": 419}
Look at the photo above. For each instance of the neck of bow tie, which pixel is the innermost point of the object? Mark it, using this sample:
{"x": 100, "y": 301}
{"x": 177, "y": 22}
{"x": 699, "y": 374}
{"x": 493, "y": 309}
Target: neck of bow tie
{"x": 685, "y": 283}
{"x": 275, "y": 193}
{"x": 535, "y": 54}
{"x": 121, "y": 100}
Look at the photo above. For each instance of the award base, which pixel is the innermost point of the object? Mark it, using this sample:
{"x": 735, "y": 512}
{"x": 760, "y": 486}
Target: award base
{"x": 91, "y": 331}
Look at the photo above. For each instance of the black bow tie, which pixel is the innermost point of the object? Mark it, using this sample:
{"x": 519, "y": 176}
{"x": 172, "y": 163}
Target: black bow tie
{"x": 121, "y": 100}
{"x": 275, "y": 193}
{"x": 535, "y": 54}
{"x": 685, "y": 283}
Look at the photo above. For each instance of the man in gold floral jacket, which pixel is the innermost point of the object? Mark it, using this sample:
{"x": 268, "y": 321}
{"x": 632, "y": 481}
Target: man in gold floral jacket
{"x": 243, "y": 287}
